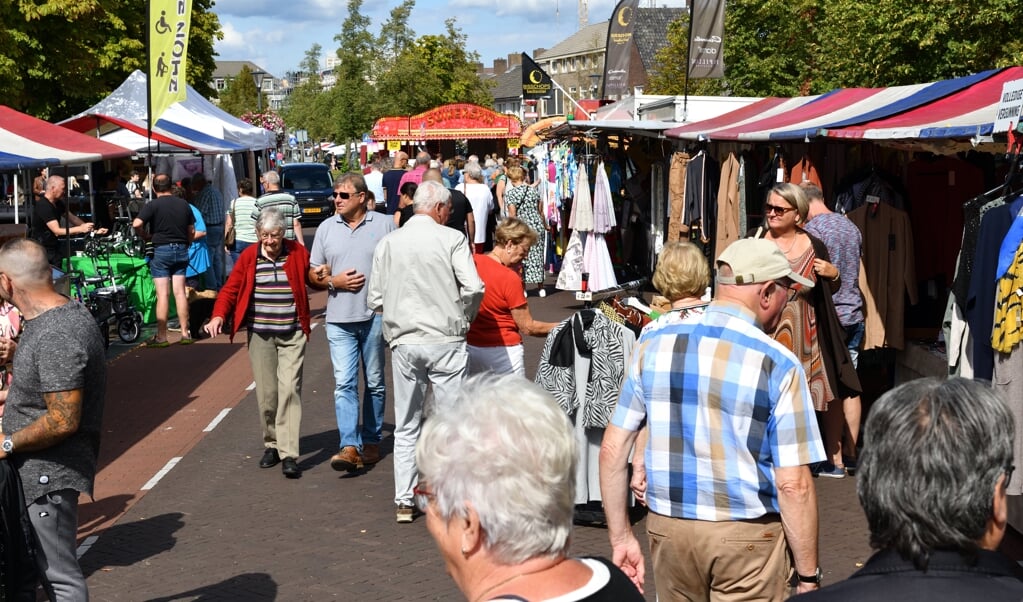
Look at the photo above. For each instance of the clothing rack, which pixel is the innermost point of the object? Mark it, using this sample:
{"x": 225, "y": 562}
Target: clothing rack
{"x": 590, "y": 297}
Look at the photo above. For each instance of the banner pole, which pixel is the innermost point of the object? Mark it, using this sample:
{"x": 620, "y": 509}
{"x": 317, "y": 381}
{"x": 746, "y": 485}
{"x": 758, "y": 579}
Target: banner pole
{"x": 689, "y": 48}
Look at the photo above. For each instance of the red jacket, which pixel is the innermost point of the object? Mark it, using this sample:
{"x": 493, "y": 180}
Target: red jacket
{"x": 236, "y": 293}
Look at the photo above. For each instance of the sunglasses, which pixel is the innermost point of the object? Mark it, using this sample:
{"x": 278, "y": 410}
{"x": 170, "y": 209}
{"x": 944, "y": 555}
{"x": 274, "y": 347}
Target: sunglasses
{"x": 345, "y": 195}
{"x": 776, "y": 210}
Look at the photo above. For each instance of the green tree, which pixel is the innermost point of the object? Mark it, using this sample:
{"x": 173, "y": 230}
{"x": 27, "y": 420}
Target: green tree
{"x": 789, "y": 48}
{"x": 303, "y": 108}
{"x": 395, "y": 34}
{"x": 57, "y": 57}
{"x": 240, "y": 95}
{"x": 348, "y": 102}
{"x": 434, "y": 70}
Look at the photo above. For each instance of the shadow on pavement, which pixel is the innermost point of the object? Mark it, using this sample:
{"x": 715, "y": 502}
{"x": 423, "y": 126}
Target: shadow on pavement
{"x": 127, "y": 544}
{"x": 247, "y": 586}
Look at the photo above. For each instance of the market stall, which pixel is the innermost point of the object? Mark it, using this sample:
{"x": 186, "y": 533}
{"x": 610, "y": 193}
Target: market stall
{"x": 485, "y": 130}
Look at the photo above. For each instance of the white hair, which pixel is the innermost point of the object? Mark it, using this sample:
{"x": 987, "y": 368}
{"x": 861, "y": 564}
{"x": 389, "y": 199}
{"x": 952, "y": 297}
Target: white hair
{"x": 429, "y": 195}
{"x": 504, "y": 447}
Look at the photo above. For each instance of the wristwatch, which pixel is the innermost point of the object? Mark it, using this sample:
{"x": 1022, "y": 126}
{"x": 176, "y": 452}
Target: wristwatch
{"x": 816, "y": 578}
{"x": 7, "y": 446}
{"x": 330, "y": 284}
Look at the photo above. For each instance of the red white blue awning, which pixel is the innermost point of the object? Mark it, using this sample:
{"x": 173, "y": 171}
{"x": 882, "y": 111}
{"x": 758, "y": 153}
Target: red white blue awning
{"x": 966, "y": 113}
{"x": 28, "y": 143}
{"x": 762, "y": 109}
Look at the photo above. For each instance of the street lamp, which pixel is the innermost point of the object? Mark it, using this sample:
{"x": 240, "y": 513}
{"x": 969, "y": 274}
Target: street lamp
{"x": 257, "y": 78}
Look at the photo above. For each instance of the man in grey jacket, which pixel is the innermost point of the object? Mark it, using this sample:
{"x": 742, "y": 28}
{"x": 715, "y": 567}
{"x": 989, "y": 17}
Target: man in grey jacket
{"x": 425, "y": 283}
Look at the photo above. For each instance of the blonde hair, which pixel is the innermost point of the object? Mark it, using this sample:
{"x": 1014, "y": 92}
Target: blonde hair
{"x": 515, "y": 231}
{"x": 682, "y": 271}
{"x": 516, "y": 173}
{"x": 794, "y": 196}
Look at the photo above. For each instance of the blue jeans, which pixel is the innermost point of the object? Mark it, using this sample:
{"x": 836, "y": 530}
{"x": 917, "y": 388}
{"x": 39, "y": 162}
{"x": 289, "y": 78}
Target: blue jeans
{"x": 239, "y": 246}
{"x": 215, "y": 242}
{"x": 853, "y": 340}
{"x": 347, "y": 342}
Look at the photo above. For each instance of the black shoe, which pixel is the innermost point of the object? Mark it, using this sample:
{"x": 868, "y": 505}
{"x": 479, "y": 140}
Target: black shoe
{"x": 290, "y": 468}
{"x": 270, "y": 458}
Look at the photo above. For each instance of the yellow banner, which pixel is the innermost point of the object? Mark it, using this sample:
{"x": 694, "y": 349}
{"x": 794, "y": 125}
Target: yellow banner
{"x": 168, "y": 50}
{"x": 394, "y": 145}
{"x": 513, "y": 143}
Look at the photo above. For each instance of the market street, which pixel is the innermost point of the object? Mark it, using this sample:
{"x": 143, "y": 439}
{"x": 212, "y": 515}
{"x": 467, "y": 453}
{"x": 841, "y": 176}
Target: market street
{"x": 183, "y": 512}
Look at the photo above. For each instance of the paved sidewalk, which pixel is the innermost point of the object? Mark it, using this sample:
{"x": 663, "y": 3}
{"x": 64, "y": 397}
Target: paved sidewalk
{"x": 217, "y": 527}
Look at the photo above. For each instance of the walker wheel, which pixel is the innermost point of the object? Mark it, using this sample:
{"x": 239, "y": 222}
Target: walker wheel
{"x": 128, "y": 329}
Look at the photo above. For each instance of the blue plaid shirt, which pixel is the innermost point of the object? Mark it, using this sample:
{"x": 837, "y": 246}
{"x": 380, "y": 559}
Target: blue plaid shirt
{"x": 725, "y": 405}
{"x": 211, "y": 204}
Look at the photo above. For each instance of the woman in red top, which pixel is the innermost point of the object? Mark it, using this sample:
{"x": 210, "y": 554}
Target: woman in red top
{"x": 495, "y": 336}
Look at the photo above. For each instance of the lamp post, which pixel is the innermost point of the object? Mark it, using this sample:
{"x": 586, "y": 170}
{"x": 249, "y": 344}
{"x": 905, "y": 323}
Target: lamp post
{"x": 257, "y": 78}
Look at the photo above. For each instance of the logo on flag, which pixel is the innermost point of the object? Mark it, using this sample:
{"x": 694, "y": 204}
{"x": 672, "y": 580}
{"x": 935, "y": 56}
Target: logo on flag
{"x": 168, "y": 50}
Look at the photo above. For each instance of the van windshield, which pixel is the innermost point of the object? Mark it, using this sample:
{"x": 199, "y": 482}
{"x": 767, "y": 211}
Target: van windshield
{"x": 307, "y": 180}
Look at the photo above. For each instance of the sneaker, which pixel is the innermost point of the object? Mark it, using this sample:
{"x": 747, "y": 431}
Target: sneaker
{"x": 348, "y": 459}
{"x": 405, "y": 513}
{"x": 370, "y": 453}
{"x": 830, "y": 471}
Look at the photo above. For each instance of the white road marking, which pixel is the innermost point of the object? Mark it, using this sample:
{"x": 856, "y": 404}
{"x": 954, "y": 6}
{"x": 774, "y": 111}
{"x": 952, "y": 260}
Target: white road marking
{"x": 159, "y": 475}
{"x": 82, "y": 549}
{"x": 213, "y": 423}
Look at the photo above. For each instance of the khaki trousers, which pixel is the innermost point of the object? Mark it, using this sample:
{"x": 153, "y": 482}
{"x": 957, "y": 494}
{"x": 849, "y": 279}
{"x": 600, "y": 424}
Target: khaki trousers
{"x": 698, "y": 560}
{"x": 277, "y": 369}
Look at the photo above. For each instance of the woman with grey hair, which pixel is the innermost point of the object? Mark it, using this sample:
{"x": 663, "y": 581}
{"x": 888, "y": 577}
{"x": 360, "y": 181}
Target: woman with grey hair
{"x": 503, "y": 520}
{"x": 266, "y": 293}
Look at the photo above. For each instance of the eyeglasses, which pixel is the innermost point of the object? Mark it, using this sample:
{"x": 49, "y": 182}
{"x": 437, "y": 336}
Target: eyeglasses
{"x": 790, "y": 293}
{"x": 345, "y": 195}
{"x": 1008, "y": 474}
{"x": 423, "y": 496}
{"x": 776, "y": 210}
{"x": 271, "y": 236}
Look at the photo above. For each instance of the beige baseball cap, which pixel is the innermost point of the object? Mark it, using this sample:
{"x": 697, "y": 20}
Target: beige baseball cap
{"x": 756, "y": 260}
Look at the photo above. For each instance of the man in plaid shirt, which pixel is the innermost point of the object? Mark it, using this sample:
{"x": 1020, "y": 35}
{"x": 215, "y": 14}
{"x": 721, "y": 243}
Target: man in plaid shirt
{"x": 731, "y": 432}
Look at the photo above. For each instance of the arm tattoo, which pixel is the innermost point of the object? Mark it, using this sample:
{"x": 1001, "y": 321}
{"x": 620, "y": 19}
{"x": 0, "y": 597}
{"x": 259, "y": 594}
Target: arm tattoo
{"x": 61, "y": 420}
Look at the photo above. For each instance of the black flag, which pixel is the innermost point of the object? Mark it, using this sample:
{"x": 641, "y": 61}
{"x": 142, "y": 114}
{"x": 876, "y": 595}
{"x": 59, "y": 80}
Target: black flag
{"x": 619, "y": 49}
{"x": 535, "y": 81}
{"x": 708, "y": 30}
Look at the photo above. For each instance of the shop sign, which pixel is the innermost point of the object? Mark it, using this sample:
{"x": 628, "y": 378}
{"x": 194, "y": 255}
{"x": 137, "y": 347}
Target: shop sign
{"x": 513, "y": 143}
{"x": 1010, "y": 106}
{"x": 394, "y": 145}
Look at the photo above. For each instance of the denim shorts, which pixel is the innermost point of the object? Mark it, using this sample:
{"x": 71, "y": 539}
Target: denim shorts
{"x": 169, "y": 260}
{"x": 853, "y": 340}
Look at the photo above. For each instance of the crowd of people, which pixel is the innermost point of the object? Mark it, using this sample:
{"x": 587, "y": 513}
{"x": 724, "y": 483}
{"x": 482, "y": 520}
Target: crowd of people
{"x": 729, "y": 406}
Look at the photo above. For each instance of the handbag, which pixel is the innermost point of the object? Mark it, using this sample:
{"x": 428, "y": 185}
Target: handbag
{"x": 229, "y": 235}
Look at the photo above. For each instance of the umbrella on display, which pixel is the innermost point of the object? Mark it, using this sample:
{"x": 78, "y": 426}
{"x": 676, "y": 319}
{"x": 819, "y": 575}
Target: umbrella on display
{"x": 570, "y": 278}
{"x": 596, "y": 257}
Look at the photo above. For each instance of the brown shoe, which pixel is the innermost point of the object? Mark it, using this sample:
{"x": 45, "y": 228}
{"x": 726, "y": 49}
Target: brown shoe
{"x": 347, "y": 459}
{"x": 370, "y": 453}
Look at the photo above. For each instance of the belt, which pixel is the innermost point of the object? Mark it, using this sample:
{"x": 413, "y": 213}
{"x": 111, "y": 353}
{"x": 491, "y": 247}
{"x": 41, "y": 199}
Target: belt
{"x": 171, "y": 244}
{"x": 220, "y": 224}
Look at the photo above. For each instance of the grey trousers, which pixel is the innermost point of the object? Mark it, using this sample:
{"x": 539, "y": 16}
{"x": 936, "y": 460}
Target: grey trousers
{"x": 414, "y": 367}
{"x": 54, "y": 518}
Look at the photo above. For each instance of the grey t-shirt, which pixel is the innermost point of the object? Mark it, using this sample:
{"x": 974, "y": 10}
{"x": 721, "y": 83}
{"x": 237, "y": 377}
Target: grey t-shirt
{"x": 59, "y": 350}
{"x": 343, "y": 249}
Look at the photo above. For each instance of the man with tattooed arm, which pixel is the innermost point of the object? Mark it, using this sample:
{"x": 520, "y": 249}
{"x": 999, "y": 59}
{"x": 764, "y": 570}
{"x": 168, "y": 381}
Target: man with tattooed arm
{"x": 54, "y": 411}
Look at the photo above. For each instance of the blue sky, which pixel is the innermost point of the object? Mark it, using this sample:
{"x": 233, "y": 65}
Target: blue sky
{"x": 275, "y": 35}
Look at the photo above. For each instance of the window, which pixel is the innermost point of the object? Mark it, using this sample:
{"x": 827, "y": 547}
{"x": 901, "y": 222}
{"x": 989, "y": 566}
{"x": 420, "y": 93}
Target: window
{"x": 571, "y": 90}
{"x": 219, "y": 83}
{"x": 554, "y": 67}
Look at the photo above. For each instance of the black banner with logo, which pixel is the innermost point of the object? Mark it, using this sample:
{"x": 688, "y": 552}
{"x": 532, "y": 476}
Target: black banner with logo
{"x": 535, "y": 81}
{"x": 708, "y": 30}
{"x": 619, "y": 49}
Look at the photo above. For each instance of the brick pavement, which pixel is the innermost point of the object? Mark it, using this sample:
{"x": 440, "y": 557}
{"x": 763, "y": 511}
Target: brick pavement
{"x": 217, "y": 527}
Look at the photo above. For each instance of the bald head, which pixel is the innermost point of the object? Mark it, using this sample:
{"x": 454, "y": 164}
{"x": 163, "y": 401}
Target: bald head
{"x": 432, "y": 175}
{"x": 23, "y": 260}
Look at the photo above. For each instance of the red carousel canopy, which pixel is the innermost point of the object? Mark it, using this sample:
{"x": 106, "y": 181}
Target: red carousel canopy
{"x": 449, "y": 122}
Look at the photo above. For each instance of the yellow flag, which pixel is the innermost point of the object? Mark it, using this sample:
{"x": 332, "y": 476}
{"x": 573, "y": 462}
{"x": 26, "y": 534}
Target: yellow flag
{"x": 168, "y": 50}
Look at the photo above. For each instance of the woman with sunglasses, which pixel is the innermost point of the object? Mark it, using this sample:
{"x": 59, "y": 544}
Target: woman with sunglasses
{"x": 503, "y": 521}
{"x": 809, "y": 325}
